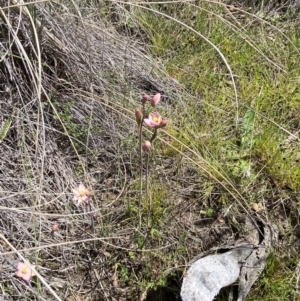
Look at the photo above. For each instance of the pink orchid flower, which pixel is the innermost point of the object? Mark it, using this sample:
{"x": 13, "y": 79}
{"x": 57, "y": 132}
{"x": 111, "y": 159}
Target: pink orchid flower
{"x": 154, "y": 120}
{"x": 24, "y": 271}
{"x": 81, "y": 194}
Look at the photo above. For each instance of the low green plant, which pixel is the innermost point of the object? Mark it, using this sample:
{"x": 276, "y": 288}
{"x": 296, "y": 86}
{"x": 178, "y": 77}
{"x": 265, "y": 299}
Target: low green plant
{"x": 252, "y": 143}
{"x": 208, "y": 213}
{"x": 276, "y": 283}
{"x": 78, "y": 132}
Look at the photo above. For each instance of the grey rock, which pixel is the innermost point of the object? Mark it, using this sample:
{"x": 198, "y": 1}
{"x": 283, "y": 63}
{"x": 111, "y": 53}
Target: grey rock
{"x": 208, "y": 275}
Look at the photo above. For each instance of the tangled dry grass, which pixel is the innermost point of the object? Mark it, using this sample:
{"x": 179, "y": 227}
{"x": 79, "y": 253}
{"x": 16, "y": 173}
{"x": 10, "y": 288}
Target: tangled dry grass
{"x": 69, "y": 81}
{"x": 69, "y": 85}
{"x": 51, "y": 61}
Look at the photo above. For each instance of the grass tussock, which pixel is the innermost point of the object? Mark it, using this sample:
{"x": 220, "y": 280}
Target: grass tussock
{"x": 71, "y": 75}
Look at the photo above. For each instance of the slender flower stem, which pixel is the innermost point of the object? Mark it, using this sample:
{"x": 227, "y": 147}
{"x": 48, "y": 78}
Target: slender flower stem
{"x": 91, "y": 216}
{"x": 154, "y": 135}
{"x": 147, "y": 190}
{"x": 89, "y": 208}
{"x": 141, "y": 166}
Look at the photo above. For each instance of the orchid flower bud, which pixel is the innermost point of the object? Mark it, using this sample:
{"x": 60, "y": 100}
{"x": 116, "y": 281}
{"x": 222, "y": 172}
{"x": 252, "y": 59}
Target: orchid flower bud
{"x": 145, "y": 98}
{"x": 138, "y": 116}
{"x": 155, "y": 100}
{"x": 54, "y": 227}
{"x": 146, "y": 146}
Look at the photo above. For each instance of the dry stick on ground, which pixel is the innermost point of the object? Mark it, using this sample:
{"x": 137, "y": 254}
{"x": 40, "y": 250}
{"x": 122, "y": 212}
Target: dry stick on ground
{"x": 103, "y": 240}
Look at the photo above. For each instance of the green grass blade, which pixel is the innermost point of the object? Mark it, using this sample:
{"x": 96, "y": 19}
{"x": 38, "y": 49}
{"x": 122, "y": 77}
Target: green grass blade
{"x": 5, "y": 129}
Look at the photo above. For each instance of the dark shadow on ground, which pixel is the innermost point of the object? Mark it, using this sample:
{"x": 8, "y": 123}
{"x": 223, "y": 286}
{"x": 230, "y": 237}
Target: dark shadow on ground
{"x": 170, "y": 292}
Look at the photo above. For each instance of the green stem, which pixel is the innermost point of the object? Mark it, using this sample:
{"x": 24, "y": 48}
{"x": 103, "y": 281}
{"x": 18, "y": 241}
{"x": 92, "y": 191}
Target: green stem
{"x": 141, "y": 173}
{"x": 147, "y": 190}
{"x": 154, "y": 135}
{"x": 141, "y": 166}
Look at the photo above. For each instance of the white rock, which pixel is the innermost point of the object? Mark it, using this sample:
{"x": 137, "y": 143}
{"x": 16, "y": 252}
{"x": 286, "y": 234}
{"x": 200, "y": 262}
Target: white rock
{"x": 208, "y": 275}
